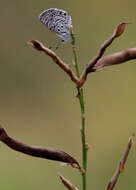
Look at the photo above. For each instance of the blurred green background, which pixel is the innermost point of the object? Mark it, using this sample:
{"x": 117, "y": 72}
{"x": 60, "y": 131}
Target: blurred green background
{"x": 37, "y": 100}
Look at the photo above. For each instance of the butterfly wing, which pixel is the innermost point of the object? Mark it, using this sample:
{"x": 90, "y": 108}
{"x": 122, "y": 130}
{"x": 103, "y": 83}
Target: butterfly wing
{"x": 62, "y": 28}
{"x": 57, "y": 21}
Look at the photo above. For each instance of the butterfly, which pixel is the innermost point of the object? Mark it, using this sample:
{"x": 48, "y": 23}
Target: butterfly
{"x": 57, "y": 21}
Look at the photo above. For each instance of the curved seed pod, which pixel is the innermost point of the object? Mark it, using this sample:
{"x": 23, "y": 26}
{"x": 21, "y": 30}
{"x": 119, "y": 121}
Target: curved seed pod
{"x": 57, "y": 60}
{"x": 120, "y": 29}
{"x": 93, "y": 63}
{"x": 67, "y": 183}
{"x": 121, "y": 165}
{"x": 42, "y": 152}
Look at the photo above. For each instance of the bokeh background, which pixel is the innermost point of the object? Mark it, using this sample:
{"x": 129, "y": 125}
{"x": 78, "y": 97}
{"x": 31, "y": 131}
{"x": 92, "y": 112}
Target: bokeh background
{"x": 37, "y": 100}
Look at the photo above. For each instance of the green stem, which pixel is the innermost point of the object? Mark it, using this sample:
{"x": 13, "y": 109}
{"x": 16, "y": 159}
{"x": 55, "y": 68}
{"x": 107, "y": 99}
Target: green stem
{"x": 82, "y": 109}
{"x": 83, "y": 137}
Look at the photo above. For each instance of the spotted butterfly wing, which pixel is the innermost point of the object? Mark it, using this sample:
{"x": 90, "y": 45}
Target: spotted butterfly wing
{"x": 58, "y": 21}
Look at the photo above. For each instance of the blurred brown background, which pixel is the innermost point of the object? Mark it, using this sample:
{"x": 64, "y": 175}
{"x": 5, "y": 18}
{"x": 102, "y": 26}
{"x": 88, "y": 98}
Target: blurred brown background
{"x": 37, "y": 100}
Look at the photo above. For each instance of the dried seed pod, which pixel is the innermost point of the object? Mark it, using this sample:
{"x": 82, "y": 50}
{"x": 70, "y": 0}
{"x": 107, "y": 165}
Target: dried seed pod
{"x": 67, "y": 183}
{"x": 121, "y": 165}
{"x": 42, "y": 152}
{"x": 120, "y": 29}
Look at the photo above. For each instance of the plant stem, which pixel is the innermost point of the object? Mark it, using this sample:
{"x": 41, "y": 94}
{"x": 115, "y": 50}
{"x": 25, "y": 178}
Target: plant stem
{"x": 82, "y": 109}
{"x": 83, "y": 137}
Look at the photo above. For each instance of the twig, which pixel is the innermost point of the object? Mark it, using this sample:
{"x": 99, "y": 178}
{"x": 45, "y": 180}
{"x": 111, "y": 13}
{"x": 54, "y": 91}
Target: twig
{"x": 120, "y": 166}
{"x": 40, "y": 47}
{"x": 42, "y": 152}
{"x": 90, "y": 67}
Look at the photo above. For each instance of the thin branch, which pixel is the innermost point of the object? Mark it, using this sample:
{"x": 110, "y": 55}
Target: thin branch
{"x": 42, "y": 152}
{"x": 40, "y": 47}
{"x": 90, "y": 67}
{"x": 120, "y": 166}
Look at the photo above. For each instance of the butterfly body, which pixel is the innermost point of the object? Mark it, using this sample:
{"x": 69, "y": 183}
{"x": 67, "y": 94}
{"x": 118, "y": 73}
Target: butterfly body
{"x": 57, "y": 21}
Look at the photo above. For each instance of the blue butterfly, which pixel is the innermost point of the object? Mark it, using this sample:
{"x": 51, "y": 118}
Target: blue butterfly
{"x": 57, "y": 21}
